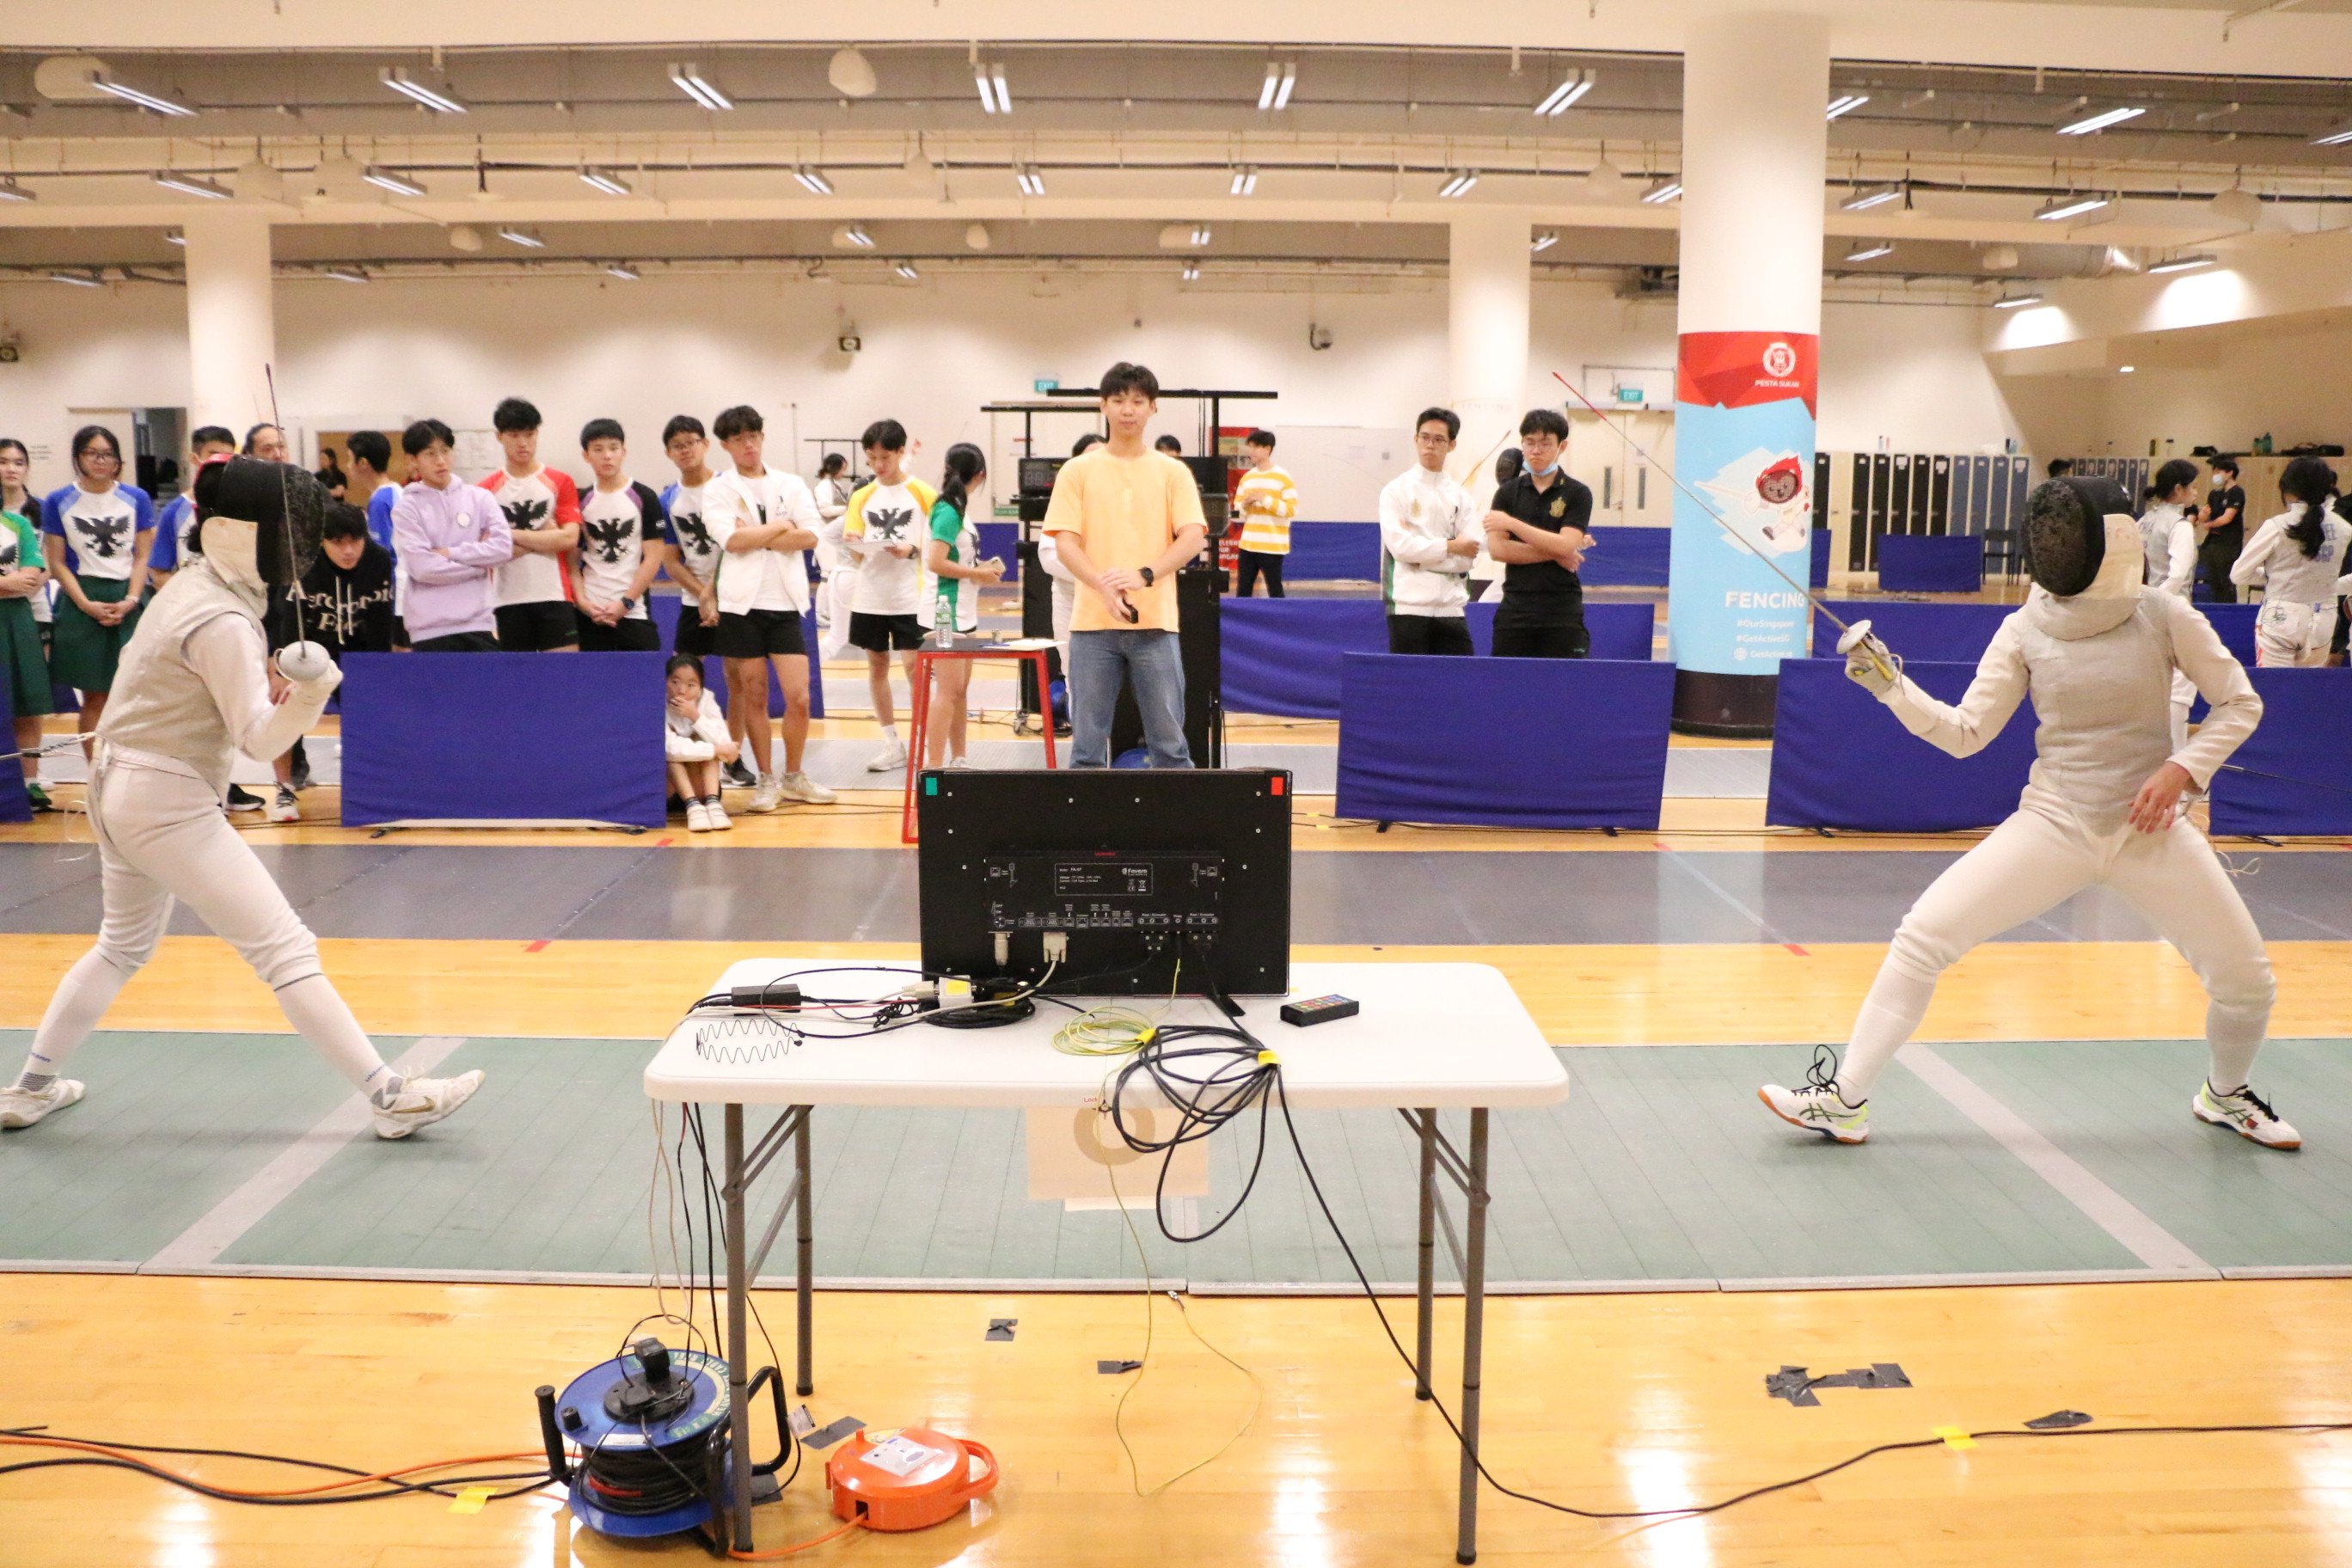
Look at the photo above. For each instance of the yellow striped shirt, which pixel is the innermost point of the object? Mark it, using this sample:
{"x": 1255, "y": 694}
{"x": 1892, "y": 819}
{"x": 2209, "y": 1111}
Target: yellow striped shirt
{"x": 1267, "y": 498}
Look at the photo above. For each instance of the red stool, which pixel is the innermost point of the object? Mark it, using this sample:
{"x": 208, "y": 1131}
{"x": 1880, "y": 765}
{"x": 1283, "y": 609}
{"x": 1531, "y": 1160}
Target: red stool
{"x": 924, "y": 660}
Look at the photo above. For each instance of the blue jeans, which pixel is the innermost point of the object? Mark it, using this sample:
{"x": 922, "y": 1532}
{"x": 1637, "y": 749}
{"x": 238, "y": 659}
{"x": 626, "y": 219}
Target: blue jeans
{"x": 1150, "y": 662}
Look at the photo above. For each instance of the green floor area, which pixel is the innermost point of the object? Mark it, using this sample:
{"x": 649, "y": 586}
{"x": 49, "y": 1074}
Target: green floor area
{"x": 1660, "y": 1169}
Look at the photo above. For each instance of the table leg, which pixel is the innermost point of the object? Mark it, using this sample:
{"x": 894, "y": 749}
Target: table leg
{"x": 739, "y": 1346}
{"x": 807, "y": 1383}
{"x": 1422, "y": 1325}
{"x": 1046, "y": 702}
{"x": 1474, "y": 1337}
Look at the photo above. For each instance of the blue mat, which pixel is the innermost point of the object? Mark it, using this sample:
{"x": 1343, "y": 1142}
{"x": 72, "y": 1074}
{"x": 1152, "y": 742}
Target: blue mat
{"x": 2305, "y": 742}
{"x": 1841, "y": 760}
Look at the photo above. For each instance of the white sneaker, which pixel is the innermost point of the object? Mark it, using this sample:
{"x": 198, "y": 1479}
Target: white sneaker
{"x": 1819, "y": 1106}
{"x": 960, "y": 763}
{"x": 716, "y": 813}
{"x": 283, "y": 807}
{"x": 698, "y": 817}
{"x": 806, "y": 790}
{"x": 2243, "y": 1112}
{"x": 766, "y": 796}
{"x": 23, "y": 1107}
{"x": 422, "y": 1102}
{"x": 890, "y": 759}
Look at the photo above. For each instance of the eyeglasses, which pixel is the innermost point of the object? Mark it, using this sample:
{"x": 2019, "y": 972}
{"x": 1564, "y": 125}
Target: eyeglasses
{"x": 1432, "y": 439}
{"x": 99, "y": 455}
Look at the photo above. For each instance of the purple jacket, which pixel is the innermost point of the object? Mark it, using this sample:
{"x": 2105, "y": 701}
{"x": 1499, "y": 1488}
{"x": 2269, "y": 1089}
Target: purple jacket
{"x": 458, "y": 592}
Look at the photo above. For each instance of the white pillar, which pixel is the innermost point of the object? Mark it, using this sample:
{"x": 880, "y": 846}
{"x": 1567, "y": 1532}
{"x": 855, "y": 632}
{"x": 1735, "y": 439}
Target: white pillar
{"x": 232, "y": 327}
{"x": 1755, "y": 136}
{"x": 1488, "y": 270}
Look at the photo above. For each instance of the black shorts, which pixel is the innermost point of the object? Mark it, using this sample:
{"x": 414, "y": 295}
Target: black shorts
{"x": 880, "y": 634}
{"x": 1429, "y": 634}
{"x": 538, "y": 627}
{"x": 760, "y": 634}
{"x": 632, "y": 635}
{"x": 459, "y": 642}
{"x": 693, "y": 637}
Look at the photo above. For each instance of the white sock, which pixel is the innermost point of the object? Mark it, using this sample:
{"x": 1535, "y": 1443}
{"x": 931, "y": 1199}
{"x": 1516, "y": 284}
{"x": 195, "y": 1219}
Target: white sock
{"x": 2233, "y": 1035}
{"x": 318, "y": 1011}
{"x": 890, "y": 733}
{"x": 1890, "y": 1014}
{"x": 83, "y": 997}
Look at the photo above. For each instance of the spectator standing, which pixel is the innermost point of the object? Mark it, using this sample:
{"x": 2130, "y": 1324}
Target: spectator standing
{"x": 344, "y": 604}
{"x": 1124, "y": 519}
{"x": 837, "y": 566}
{"x": 764, "y": 522}
{"x": 2297, "y": 559}
{"x": 1538, "y": 527}
{"x": 333, "y": 478}
{"x": 1429, "y": 538}
{"x": 2222, "y": 533}
{"x": 888, "y": 519}
{"x": 24, "y": 662}
{"x": 953, "y": 573}
{"x": 451, "y": 538}
{"x": 543, "y": 511}
{"x": 1267, "y": 499}
{"x": 372, "y": 491}
{"x": 620, "y": 547}
{"x": 178, "y": 517}
{"x": 1170, "y": 445}
{"x": 100, "y": 533}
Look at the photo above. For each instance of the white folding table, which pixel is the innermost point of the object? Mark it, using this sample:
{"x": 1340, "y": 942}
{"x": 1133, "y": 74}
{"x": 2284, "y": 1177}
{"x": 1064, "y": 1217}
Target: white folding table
{"x": 1430, "y": 1036}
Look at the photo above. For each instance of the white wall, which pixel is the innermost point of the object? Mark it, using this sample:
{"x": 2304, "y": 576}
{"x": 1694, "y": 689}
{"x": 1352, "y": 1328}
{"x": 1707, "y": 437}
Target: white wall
{"x": 387, "y": 352}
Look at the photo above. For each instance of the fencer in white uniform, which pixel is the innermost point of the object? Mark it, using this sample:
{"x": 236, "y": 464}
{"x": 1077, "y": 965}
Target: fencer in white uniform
{"x": 2096, "y": 650}
{"x": 2168, "y": 535}
{"x": 2298, "y": 557}
{"x": 193, "y": 690}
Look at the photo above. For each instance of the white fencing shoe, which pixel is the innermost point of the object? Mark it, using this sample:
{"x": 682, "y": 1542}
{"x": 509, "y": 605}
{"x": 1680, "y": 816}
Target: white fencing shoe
{"x": 23, "y": 1107}
{"x": 422, "y": 1102}
{"x": 2242, "y": 1111}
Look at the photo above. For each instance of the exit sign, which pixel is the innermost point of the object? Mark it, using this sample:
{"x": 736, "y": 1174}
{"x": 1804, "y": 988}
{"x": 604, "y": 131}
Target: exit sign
{"x": 1046, "y": 384}
{"x": 1629, "y": 394}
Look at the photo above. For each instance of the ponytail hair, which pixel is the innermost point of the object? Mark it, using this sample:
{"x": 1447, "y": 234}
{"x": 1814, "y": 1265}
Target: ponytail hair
{"x": 965, "y": 464}
{"x": 2179, "y": 471}
{"x": 2310, "y": 482}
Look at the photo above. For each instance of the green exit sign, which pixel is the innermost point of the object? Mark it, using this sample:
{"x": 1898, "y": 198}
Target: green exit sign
{"x": 1046, "y": 384}
{"x": 1629, "y": 394}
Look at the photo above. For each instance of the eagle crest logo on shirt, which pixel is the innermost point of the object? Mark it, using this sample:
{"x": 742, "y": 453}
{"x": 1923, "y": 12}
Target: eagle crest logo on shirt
{"x": 689, "y": 528}
{"x": 525, "y": 515}
{"x": 610, "y": 540}
{"x": 106, "y": 534}
{"x": 9, "y": 554}
{"x": 889, "y": 524}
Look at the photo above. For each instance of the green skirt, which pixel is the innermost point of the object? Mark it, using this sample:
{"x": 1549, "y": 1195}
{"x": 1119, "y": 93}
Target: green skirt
{"x": 24, "y": 668}
{"x": 82, "y": 654}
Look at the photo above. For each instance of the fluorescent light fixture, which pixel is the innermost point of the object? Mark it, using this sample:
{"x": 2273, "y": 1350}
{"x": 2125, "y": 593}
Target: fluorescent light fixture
{"x": 2100, "y": 121}
{"x": 1864, "y": 197}
{"x": 391, "y": 180}
{"x": 147, "y": 101}
{"x": 690, "y": 80}
{"x": 2334, "y": 138}
{"x": 1032, "y": 183}
{"x": 1459, "y": 184}
{"x": 343, "y": 274}
{"x": 813, "y": 181}
{"x": 10, "y": 191}
{"x": 907, "y": 270}
{"x": 1199, "y": 234}
{"x": 191, "y": 185}
{"x": 1191, "y": 272}
{"x": 524, "y": 238}
{"x": 621, "y": 270}
{"x": 855, "y": 234}
{"x": 1281, "y": 76}
{"x": 1846, "y": 103}
{"x": 407, "y": 86}
{"x": 995, "y": 98}
{"x": 2183, "y": 264}
{"x": 1544, "y": 241}
{"x": 1871, "y": 250}
{"x": 2016, "y": 302}
{"x": 1560, "y": 98}
{"x": 1245, "y": 183}
{"x": 1667, "y": 190}
{"x": 604, "y": 180}
{"x": 78, "y": 280}
{"x": 2125, "y": 369}
{"x": 2059, "y": 208}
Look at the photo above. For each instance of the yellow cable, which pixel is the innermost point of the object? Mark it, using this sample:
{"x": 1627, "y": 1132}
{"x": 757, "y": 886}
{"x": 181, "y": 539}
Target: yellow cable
{"x": 1114, "y": 1029}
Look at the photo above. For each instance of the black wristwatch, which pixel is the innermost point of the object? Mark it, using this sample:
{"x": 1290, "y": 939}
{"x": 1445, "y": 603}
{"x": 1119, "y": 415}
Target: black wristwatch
{"x": 628, "y": 606}
{"x": 1149, "y": 574}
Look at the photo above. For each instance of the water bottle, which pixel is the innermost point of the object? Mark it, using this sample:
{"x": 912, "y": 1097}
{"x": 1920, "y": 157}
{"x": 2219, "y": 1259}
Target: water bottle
{"x": 943, "y": 626}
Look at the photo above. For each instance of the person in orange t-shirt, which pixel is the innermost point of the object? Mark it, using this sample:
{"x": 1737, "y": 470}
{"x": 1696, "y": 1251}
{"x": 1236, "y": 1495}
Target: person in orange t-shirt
{"x": 1124, "y": 517}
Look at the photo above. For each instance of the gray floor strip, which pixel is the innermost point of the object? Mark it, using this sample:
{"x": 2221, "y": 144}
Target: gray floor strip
{"x": 2107, "y": 1208}
{"x": 202, "y": 1243}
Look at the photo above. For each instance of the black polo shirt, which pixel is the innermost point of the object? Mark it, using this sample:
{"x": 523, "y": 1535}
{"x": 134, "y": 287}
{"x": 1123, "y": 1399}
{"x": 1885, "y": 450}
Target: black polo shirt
{"x": 2220, "y": 499}
{"x": 1565, "y": 503}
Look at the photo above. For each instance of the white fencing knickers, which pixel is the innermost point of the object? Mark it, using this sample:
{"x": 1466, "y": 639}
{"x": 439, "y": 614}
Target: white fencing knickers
{"x": 2035, "y": 861}
{"x": 161, "y": 838}
{"x": 2288, "y": 635}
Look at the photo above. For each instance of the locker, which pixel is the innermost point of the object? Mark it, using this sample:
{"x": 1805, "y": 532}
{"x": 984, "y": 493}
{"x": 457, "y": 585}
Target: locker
{"x": 1979, "y": 493}
{"x": 1857, "y": 533}
{"x": 1881, "y": 491}
{"x": 1939, "y": 494}
{"x": 1921, "y": 480}
{"x": 1820, "y": 489}
{"x": 2021, "y": 483}
{"x": 1899, "y": 499}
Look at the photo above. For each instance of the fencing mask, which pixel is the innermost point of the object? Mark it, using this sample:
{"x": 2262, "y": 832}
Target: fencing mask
{"x": 2080, "y": 539}
{"x": 285, "y": 507}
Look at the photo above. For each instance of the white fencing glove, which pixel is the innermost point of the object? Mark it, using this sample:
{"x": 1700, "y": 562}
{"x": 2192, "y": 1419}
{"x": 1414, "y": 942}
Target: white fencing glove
{"x": 1869, "y": 663}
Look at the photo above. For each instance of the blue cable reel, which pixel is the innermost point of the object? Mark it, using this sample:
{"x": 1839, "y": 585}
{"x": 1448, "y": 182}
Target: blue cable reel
{"x": 650, "y": 1430}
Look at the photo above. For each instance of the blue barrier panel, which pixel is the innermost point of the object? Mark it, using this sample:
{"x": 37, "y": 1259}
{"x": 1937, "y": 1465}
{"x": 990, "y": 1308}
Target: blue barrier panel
{"x": 503, "y": 736}
{"x": 2305, "y": 736}
{"x": 1841, "y": 760}
{"x": 2236, "y": 625}
{"x": 1820, "y": 575}
{"x": 1350, "y": 552}
{"x": 1953, "y": 564}
{"x": 1629, "y": 557}
{"x": 1934, "y": 634}
{"x": 665, "y": 608}
{"x": 1001, "y": 540}
{"x": 16, "y": 805}
{"x": 1584, "y": 746}
{"x": 1282, "y": 656}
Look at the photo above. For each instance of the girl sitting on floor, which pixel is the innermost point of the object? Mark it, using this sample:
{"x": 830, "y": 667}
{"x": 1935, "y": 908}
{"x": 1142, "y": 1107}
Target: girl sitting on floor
{"x": 694, "y": 741}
